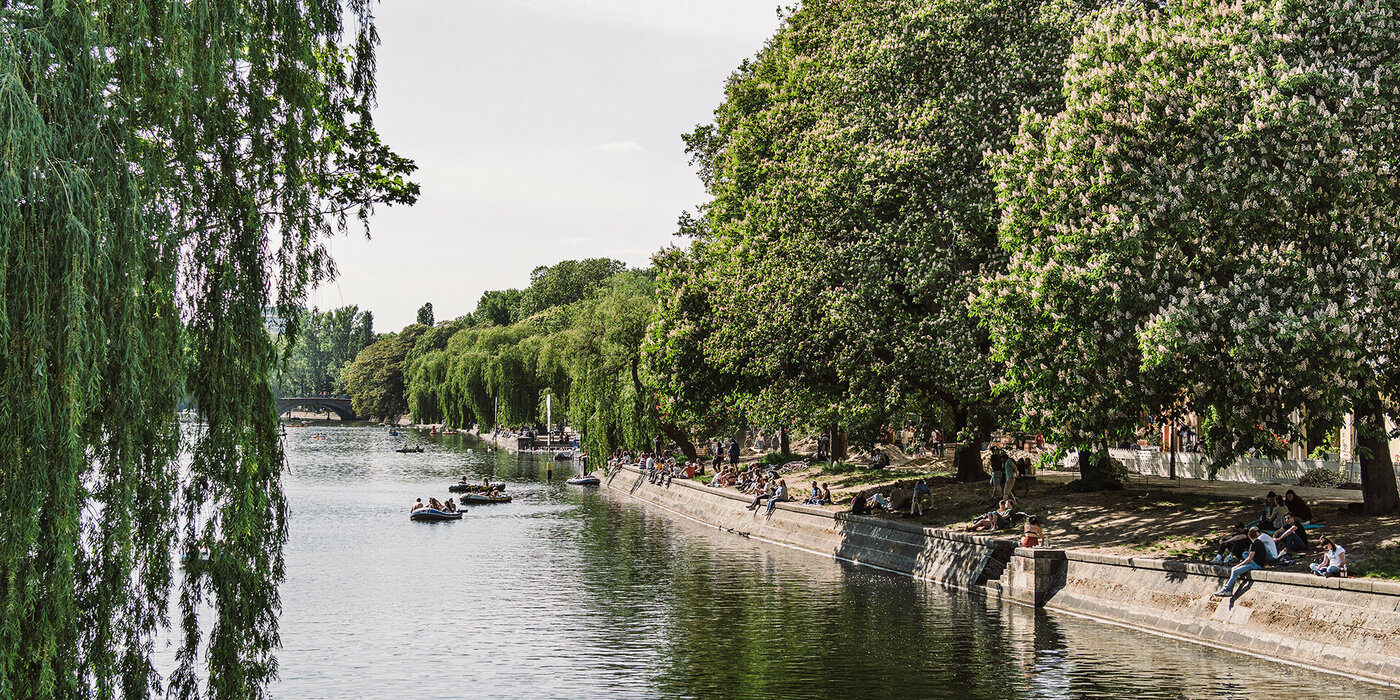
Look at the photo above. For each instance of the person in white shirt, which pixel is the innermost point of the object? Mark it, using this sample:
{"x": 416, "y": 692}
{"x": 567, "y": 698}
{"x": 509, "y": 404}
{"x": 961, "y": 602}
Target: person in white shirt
{"x": 1334, "y": 559}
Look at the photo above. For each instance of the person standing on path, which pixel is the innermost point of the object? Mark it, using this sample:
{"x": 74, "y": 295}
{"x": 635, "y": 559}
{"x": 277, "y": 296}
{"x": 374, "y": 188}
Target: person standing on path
{"x": 733, "y": 453}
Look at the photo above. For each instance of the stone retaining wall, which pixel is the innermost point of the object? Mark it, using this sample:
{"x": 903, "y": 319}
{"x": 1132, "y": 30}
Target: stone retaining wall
{"x": 951, "y": 558}
{"x": 1348, "y": 626}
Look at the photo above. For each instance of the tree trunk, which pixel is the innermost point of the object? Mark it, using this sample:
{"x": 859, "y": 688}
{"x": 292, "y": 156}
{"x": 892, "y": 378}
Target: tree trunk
{"x": 1378, "y": 486}
{"x": 783, "y": 444}
{"x": 1096, "y": 472}
{"x": 966, "y": 458}
{"x": 838, "y": 445}
{"x": 682, "y": 440}
{"x": 671, "y": 430}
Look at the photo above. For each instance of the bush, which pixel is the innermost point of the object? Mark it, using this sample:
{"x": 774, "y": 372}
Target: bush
{"x": 1321, "y": 477}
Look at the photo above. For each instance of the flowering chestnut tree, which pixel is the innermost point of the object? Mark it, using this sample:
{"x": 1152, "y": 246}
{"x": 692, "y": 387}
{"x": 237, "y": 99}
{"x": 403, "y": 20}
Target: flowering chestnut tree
{"x": 854, "y": 213}
{"x": 1207, "y": 224}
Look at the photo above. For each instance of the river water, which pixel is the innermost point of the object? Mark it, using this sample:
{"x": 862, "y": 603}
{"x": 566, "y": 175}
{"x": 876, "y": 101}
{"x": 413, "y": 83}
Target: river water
{"x": 572, "y": 593}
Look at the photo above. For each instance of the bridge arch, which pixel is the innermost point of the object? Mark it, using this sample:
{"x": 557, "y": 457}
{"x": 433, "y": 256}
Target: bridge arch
{"x": 340, "y": 406}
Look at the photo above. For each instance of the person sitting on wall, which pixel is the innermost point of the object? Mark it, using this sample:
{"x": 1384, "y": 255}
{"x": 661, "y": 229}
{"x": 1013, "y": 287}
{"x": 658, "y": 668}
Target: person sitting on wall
{"x": 1297, "y": 506}
{"x": 1293, "y": 537}
{"x": 1334, "y": 559}
{"x": 1232, "y": 546}
{"x": 1257, "y": 558}
{"x": 825, "y": 498}
{"x": 1033, "y": 536}
{"x": 763, "y": 494}
{"x": 859, "y": 505}
{"x": 1275, "y": 556}
{"x": 816, "y": 497}
{"x": 780, "y": 493}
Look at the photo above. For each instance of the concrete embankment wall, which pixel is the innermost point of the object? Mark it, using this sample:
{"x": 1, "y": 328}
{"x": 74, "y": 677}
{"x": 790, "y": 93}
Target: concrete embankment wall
{"x": 1348, "y": 626}
{"x": 952, "y": 558}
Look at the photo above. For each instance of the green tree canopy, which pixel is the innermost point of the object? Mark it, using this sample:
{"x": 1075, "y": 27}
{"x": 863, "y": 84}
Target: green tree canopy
{"x": 1207, "y": 224}
{"x": 853, "y": 214}
{"x": 566, "y": 282}
{"x": 425, "y": 314}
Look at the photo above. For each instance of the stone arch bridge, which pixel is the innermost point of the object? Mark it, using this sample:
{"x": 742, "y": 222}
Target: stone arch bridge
{"x": 339, "y": 405}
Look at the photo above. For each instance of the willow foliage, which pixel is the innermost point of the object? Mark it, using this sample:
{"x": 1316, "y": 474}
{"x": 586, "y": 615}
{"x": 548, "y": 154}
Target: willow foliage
{"x": 586, "y": 354}
{"x": 170, "y": 170}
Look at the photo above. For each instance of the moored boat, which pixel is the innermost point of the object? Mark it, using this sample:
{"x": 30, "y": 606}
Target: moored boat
{"x": 474, "y": 488}
{"x": 586, "y": 480}
{"x": 432, "y": 515}
{"x": 481, "y": 498}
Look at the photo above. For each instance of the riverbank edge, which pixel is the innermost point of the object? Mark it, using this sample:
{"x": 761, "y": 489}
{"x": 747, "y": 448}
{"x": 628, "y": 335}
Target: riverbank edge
{"x": 1346, "y": 626}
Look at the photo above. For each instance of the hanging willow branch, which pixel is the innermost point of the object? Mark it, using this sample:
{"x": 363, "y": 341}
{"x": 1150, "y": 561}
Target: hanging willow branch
{"x": 168, "y": 171}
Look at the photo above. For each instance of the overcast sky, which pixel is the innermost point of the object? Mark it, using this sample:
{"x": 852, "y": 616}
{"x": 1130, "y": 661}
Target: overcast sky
{"x": 544, "y": 130}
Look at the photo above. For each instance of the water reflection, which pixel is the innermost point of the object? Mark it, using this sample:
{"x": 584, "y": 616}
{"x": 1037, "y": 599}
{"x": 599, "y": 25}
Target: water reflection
{"x": 566, "y": 593}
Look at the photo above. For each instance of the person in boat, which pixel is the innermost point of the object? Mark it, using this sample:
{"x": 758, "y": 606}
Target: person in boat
{"x": 450, "y": 506}
{"x": 434, "y": 503}
{"x": 494, "y": 493}
{"x": 417, "y": 505}
{"x": 485, "y": 483}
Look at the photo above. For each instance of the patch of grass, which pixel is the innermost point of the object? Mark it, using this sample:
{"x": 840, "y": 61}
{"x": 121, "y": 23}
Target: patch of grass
{"x": 781, "y": 458}
{"x": 705, "y": 478}
{"x": 1380, "y": 562}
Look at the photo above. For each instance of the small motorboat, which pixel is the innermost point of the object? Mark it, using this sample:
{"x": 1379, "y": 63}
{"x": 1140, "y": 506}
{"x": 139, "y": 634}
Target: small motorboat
{"x": 433, "y": 515}
{"x": 585, "y": 480}
{"x": 419, "y": 448}
{"x": 481, "y": 498}
{"x": 474, "y": 488}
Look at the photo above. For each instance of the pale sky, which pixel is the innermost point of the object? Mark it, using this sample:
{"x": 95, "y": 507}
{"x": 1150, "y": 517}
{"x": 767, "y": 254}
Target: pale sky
{"x": 544, "y": 130}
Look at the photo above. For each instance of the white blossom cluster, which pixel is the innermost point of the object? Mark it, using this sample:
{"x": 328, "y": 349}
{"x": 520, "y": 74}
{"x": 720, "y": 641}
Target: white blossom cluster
{"x": 1209, "y": 221}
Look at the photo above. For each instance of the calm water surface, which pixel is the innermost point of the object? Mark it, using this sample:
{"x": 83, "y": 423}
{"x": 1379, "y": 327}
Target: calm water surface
{"x": 571, "y": 593}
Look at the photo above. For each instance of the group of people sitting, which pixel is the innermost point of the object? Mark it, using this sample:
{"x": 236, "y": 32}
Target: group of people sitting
{"x": 1006, "y": 516}
{"x": 905, "y": 497}
{"x": 775, "y": 492}
{"x": 435, "y": 504}
{"x": 660, "y": 468}
{"x": 1275, "y": 539}
{"x": 756, "y": 478}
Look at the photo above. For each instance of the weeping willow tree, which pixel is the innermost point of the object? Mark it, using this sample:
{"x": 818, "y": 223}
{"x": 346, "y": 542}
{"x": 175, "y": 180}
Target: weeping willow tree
{"x": 170, "y": 170}
{"x": 586, "y": 354}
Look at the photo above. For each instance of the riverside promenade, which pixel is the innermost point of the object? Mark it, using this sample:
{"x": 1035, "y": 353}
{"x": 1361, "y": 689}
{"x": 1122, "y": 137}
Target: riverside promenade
{"x": 1348, "y": 626}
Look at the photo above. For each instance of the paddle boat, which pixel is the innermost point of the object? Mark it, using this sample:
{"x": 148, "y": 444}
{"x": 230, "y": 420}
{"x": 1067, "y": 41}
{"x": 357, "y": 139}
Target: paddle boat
{"x": 585, "y": 480}
{"x": 433, "y": 515}
{"x": 464, "y": 487}
{"x": 481, "y": 498}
